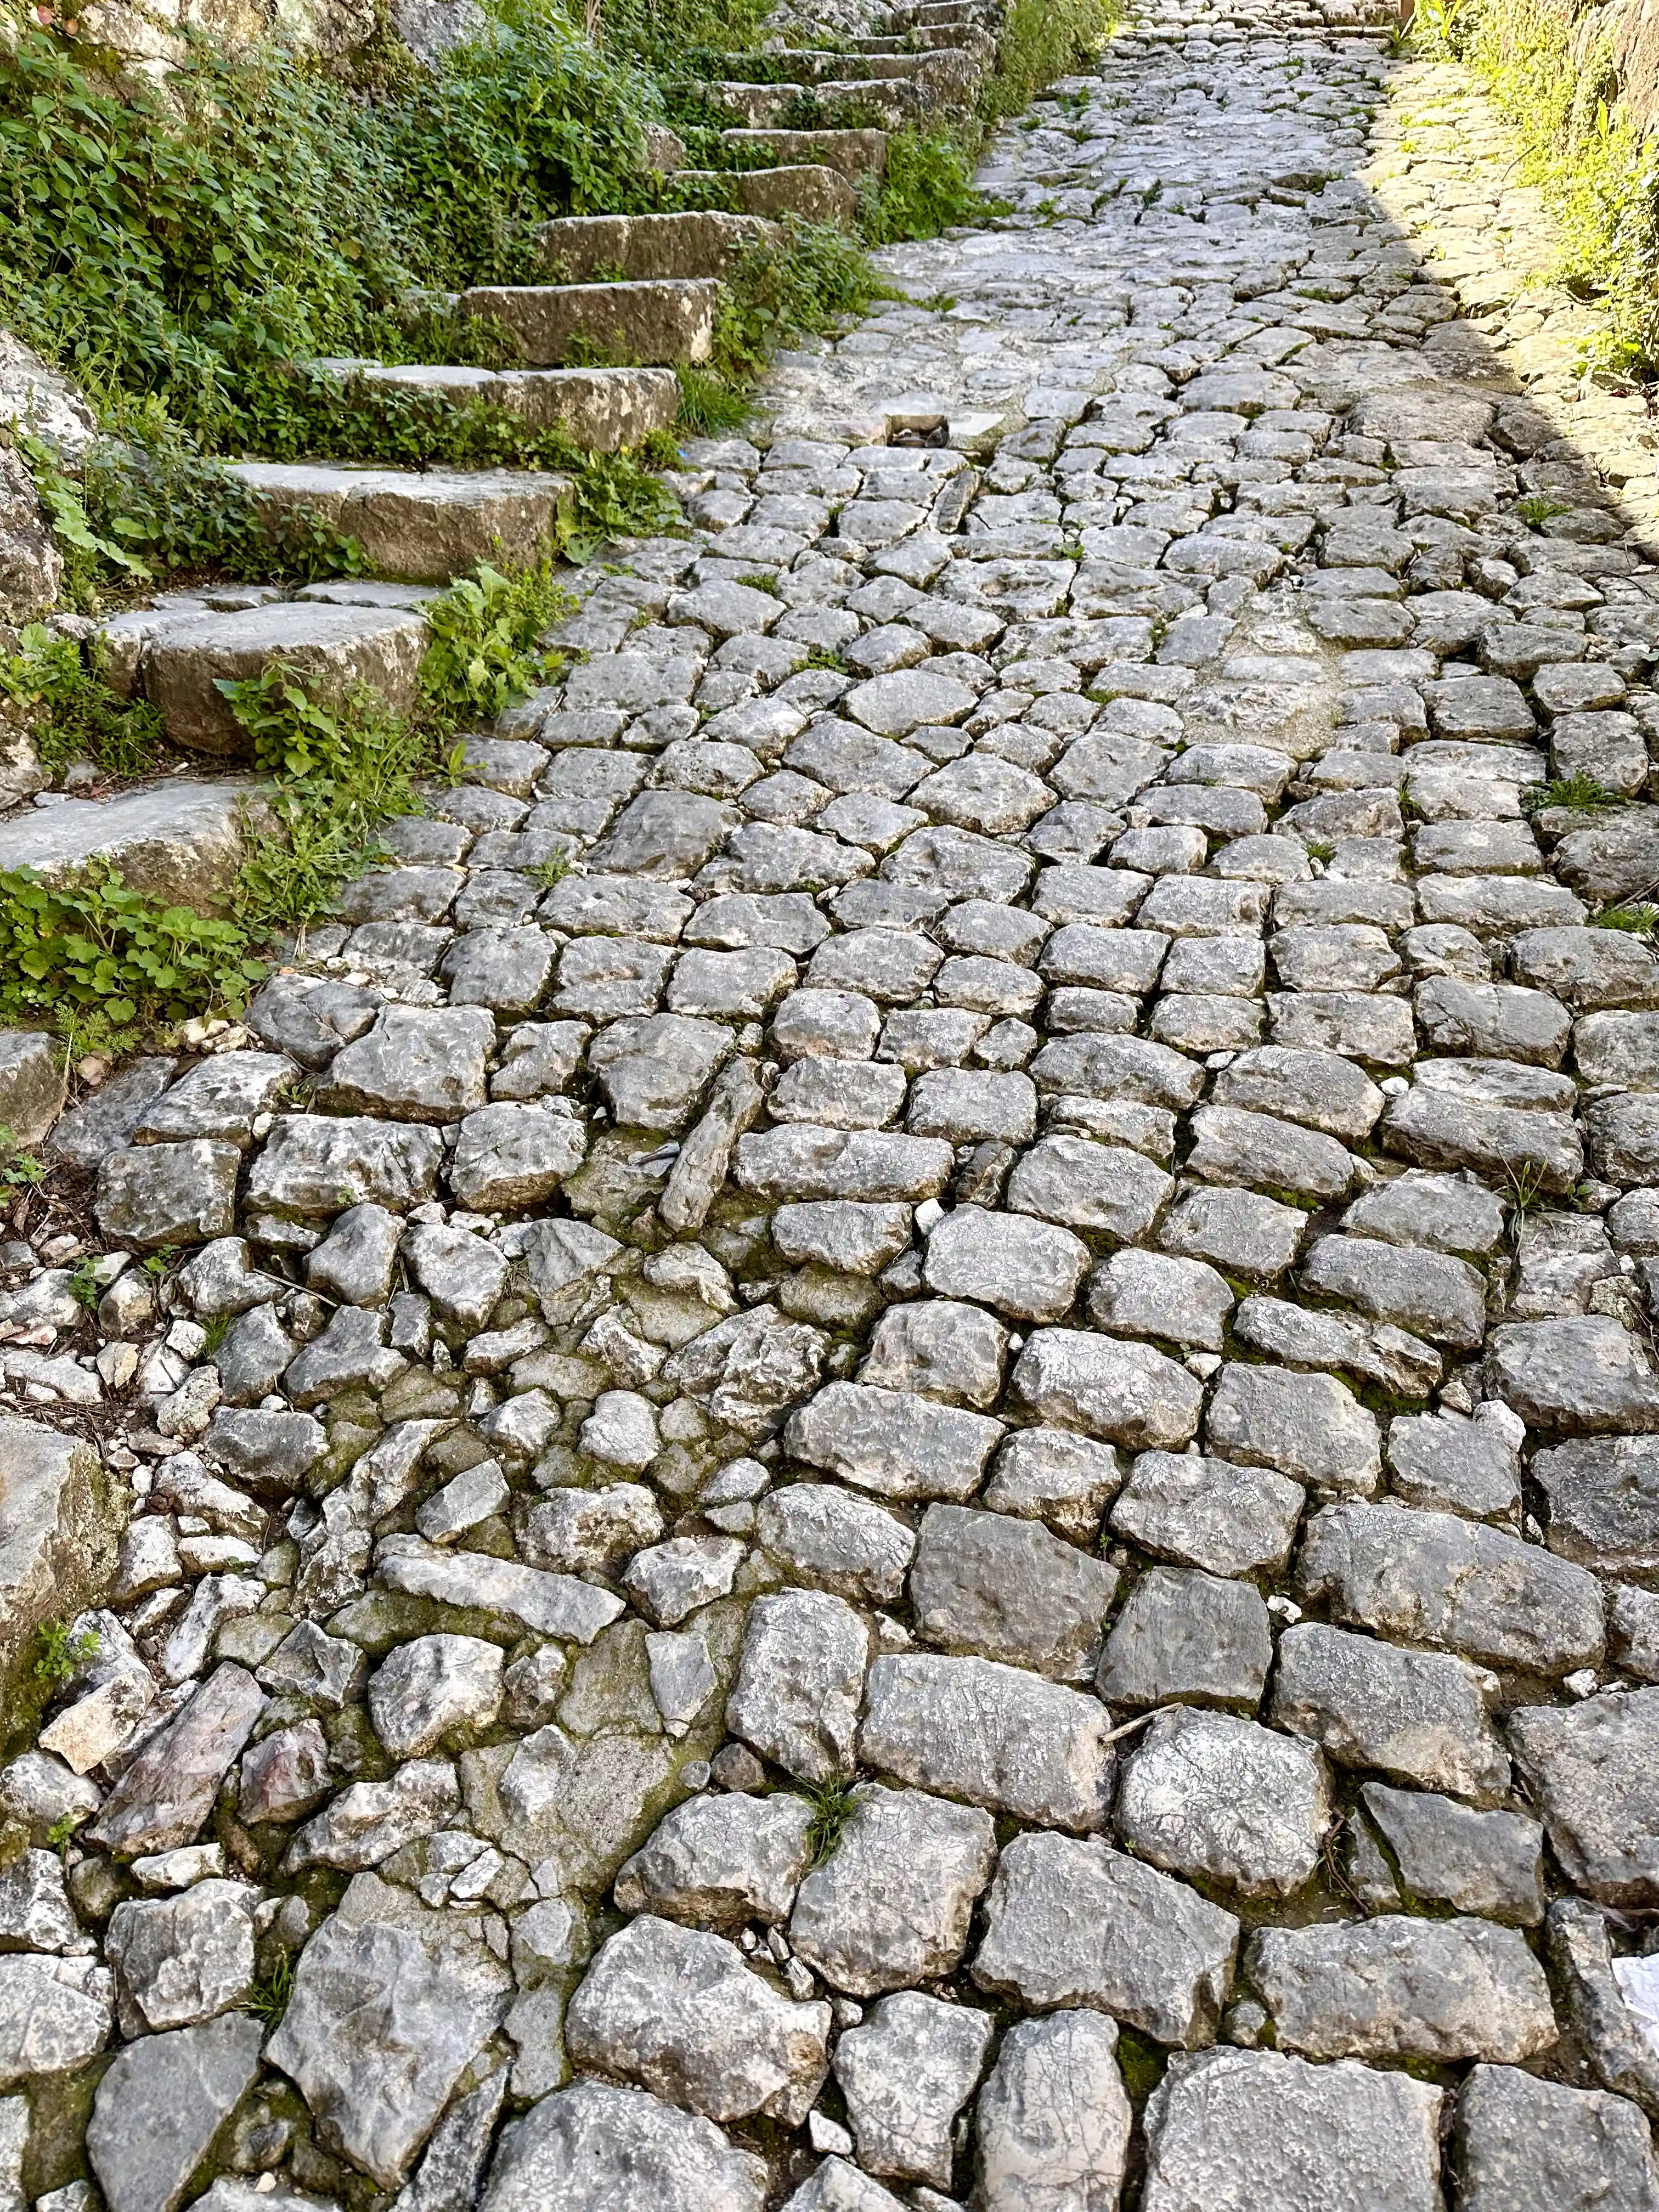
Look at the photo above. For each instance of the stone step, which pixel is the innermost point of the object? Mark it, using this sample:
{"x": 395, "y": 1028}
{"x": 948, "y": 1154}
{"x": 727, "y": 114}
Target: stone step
{"x": 422, "y": 526}
{"x": 809, "y": 65}
{"x": 896, "y": 100}
{"x": 601, "y": 408}
{"x": 853, "y": 153}
{"x": 665, "y": 321}
{"x": 807, "y": 189}
{"x": 179, "y": 841}
{"x": 332, "y": 647}
{"x": 702, "y": 242}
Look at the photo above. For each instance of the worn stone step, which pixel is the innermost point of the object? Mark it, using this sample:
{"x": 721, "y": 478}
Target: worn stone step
{"x": 332, "y": 647}
{"x": 809, "y": 65}
{"x": 701, "y": 242}
{"x": 853, "y": 153}
{"x": 601, "y": 408}
{"x": 807, "y": 189}
{"x": 896, "y": 100}
{"x": 665, "y": 321}
{"x": 424, "y": 527}
{"x": 180, "y": 841}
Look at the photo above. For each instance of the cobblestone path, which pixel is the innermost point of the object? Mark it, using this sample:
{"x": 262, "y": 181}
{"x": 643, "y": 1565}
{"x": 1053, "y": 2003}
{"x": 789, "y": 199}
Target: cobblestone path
{"x": 909, "y": 1455}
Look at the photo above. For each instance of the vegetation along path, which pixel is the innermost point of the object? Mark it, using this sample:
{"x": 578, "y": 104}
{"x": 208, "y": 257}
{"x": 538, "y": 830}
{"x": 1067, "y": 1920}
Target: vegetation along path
{"x": 886, "y": 1432}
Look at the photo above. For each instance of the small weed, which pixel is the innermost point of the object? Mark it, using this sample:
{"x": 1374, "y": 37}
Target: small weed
{"x": 546, "y": 873}
{"x": 59, "y": 1654}
{"x": 832, "y": 1808}
{"x": 18, "y": 1170}
{"x": 213, "y": 1332}
{"x": 61, "y": 1833}
{"x": 1639, "y": 920}
{"x": 1578, "y": 793}
{"x": 1527, "y": 1194}
{"x": 268, "y": 2000}
{"x": 157, "y": 1263}
{"x": 1318, "y": 849}
{"x": 83, "y": 1283}
{"x": 824, "y": 656}
{"x": 1537, "y": 508}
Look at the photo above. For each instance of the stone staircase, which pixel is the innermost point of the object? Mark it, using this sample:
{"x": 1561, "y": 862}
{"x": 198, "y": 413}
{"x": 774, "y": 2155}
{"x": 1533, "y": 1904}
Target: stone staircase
{"x": 631, "y": 299}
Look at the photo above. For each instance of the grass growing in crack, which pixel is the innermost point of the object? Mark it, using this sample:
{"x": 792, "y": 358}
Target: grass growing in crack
{"x": 1578, "y": 793}
{"x": 59, "y": 1654}
{"x": 1538, "y": 507}
{"x": 268, "y": 2000}
{"x": 1637, "y": 920}
{"x": 1527, "y": 1194}
{"x": 832, "y": 1805}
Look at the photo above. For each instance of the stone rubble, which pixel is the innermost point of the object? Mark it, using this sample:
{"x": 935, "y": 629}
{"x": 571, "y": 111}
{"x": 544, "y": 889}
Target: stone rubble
{"x": 891, "y": 1441}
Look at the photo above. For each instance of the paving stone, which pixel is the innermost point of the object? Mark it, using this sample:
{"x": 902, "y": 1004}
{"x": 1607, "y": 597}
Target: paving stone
{"x": 1590, "y": 1776}
{"x": 1307, "y": 1426}
{"x": 1181, "y": 1634}
{"x": 391, "y": 2003}
{"x": 889, "y": 1442}
{"x": 1052, "y": 2122}
{"x": 800, "y": 1682}
{"x": 160, "y": 2105}
{"x": 1212, "y": 1796}
{"x": 1209, "y": 1513}
{"x": 722, "y": 1860}
{"x": 891, "y": 1905}
{"x": 992, "y": 1735}
{"x": 1121, "y": 1392}
{"x": 680, "y": 2012}
{"x": 1399, "y": 1987}
{"x": 1439, "y": 1579}
{"x": 906, "y": 2071}
{"x": 985, "y": 1584}
{"x": 1484, "y": 1863}
{"x": 1072, "y": 1922}
{"x": 592, "y": 2146}
{"x": 1521, "y": 2140}
{"x": 1421, "y": 1716}
{"x": 1306, "y": 2136}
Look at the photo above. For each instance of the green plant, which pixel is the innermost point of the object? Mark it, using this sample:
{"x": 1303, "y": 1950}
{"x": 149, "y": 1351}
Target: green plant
{"x": 1526, "y": 1189}
{"x": 707, "y": 405}
{"x": 268, "y": 2000}
{"x": 61, "y": 1833}
{"x": 18, "y": 1170}
{"x": 1537, "y": 508}
{"x": 1589, "y": 157}
{"x": 108, "y": 963}
{"x": 927, "y": 188}
{"x": 1578, "y": 793}
{"x": 483, "y": 630}
{"x": 546, "y": 873}
{"x": 65, "y": 697}
{"x": 83, "y": 1283}
{"x": 801, "y": 281}
{"x": 157, "y": 1262}
{"x": 832, "y": 1807}
{"x": 1041, "y": 40}
{"x": 1638, "y": 920}
{"x": 59, "y": 1654}
{"x": 213, "y": 1332}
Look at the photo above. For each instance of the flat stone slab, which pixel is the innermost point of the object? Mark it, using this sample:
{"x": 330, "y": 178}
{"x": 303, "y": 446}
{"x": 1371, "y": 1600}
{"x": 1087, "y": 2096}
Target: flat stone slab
{"x": 332, "y": 648}
{"x": 606, "y": 409}
{"x": 700, "y": 242}
{"x": 668, "y": 320}
{"x": 422, "y": 527}
{"x": 179, "y": 841}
